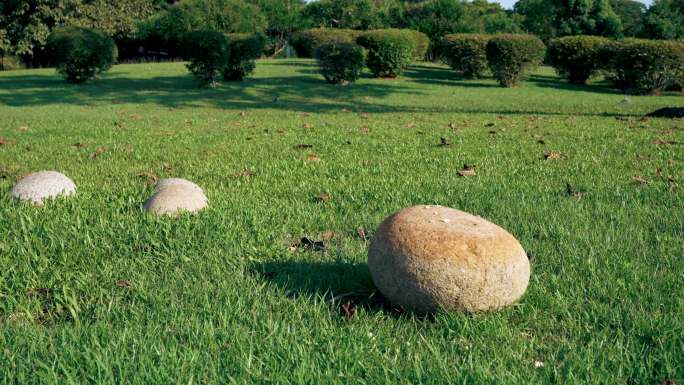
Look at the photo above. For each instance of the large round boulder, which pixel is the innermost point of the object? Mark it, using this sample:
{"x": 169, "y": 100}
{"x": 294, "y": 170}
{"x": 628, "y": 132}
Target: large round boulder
{"x": 427, "y": 258}
{"x": 163, "y": 183}
{"x": 176, "y": 199}
{"x": 42, "y": 185}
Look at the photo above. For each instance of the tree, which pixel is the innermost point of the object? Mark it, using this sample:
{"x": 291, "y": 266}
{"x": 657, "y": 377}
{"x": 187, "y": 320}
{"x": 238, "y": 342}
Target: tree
{"x": 434, "y": 18}
{"x": 347, "y": 14}
{"x": 631, "y": 14}
{"x": 27, "y": 23}
{"x": 117, "y": 19}
{"x": 284, "y": 17}
{"x": 484, "y": 17}
{"x": 665, "y": 20}
{"x": 553, "y": 18}
{"x": 227, "y": 16}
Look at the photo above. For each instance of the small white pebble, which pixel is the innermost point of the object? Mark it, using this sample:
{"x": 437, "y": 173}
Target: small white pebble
{"x": 446, "y": 220}
{"x": 427, "y": 207}
{"x": 538, "y": 364}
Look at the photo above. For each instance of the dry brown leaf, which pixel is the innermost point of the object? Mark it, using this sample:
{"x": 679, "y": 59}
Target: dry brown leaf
{"x": 361, "y": 232}
{"x": 348, "y": 310}
{"x": 322, "y": 198}
{"x": 308, "y": 125}
{"x": 23, "y": 129}
{"x": 327, "y": 235}
{"x": 305, "y": 114}
{"x": 312, "y": 158}
{"x": 4, "y": 142}
{"x": 660, "y": 142}
{"x": 364, "y": 115}
{"x": 151, "y": 177}
{"x": 124, "y": 284}
{"x": 136, "y": 116}
{"x": 246, "y": 173}
{"x": 79, "y": 145}
{"x": 453, "y": 126}
{"x": 639, "y": 179}
{"x": 345, "y": 110}
{"x": 97, "y": 152}
{"x": 467, "y": 171}
{"x": 572, "y": 192}
{"x": 280, "y": 131}
{"x": 242, "y": 113}
{"x": 554, "y": 155}
{"x": 410, "y": 125}
{"x": 363, "y": 130}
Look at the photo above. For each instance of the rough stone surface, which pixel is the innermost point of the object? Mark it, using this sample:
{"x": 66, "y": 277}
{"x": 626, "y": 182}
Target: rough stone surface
{"x": 163, "y": 183}
{"x": 42, "y": 185}
{"x": 427, "y": 258}
{"x": 176, "y": 199}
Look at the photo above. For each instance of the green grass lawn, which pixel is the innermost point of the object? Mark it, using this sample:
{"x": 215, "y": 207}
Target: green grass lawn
{"x": 93, "y": 290}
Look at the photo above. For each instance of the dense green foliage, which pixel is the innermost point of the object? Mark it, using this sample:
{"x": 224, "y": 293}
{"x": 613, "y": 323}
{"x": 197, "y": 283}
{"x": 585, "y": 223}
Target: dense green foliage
{"x": 340, "y": 63}
{"x": 553, "y": 18}
{"x": 227, "y": 16}
{"x": 346, "y": 14}
{"x": 244, "y": 50}
{"x": 389, "y": 51}
{"x": 665, "y": 20}
{"x": 93, "y": 291}
{"x": 305, "y": 42}
{"x": 421, "y": 42}
{"x": 511, "y": 57}
{"x": 208, "y": 53}
{"x": 466, "y": 53}
{"x": 631, "y": 14}
{"x": 577, "y": 58}
{"x": 645, "y": 66}
{"x": 81, "y": 53}
{"x": 437, "y": 18}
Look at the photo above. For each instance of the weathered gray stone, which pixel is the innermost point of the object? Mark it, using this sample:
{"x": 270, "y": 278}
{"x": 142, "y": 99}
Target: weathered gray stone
{"x": 163, "y": 183}
{"x": 42, "y": 185}
{"x": 176, "y": 199}
{"x": 427, "y": 258}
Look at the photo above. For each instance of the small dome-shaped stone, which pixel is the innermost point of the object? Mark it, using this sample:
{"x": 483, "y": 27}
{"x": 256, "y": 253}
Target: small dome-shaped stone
{"x": 42, "y": 185}
{"x": 163, "y": 183}
{"x": 175, "y": 199}
{"x": 426, "y": 258}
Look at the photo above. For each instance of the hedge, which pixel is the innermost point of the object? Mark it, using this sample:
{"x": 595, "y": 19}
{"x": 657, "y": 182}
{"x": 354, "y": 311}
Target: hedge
{"x": 340, "y": 63}
{"x": 512, "y": 56}
{"x": 466, "y": 53}
{"x": 244, "y": 49}
{"x": 305, "y": 42}
{"x": 208, "y": 53}
{"x": 81, "y": 53}
{"x": 577, "y": 57}
{"x": 389, "y": 51}
{"x": 644, "y": 66}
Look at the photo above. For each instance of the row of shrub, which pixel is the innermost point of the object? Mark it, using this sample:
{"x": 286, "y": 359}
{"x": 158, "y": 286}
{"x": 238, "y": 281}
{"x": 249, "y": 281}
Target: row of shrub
{"x": 80, "y": 54}
{"x": 633, "y": 65}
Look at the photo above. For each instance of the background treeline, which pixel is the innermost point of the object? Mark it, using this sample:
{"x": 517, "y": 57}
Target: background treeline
{"x": 153, "y": 28}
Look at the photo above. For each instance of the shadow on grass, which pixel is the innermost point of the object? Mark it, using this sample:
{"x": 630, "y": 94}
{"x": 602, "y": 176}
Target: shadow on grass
{"x": 337, "y": 283}
{"x": 547, "y": 81}
{"x": 305, "y": 92}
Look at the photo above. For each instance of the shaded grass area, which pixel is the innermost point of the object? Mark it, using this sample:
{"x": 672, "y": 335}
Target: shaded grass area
{"x": 93, "y": 290}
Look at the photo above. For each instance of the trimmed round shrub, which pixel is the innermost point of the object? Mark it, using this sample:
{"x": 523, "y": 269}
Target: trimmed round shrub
{"x": 577, "y": 58}
{"x": 244, "y": 49}
{"x": 208, "y": 53}
{"x": 644, "y": 66}
{"x": 340, "y": 63}
{"x": 306, "y": 42}
{"x": 421, "y": 43}
{"x": 466, "y": 53}
{"x": 389, "y": 51}
{"x": 511, "y": 57}
{"x": 80, "y": 54}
